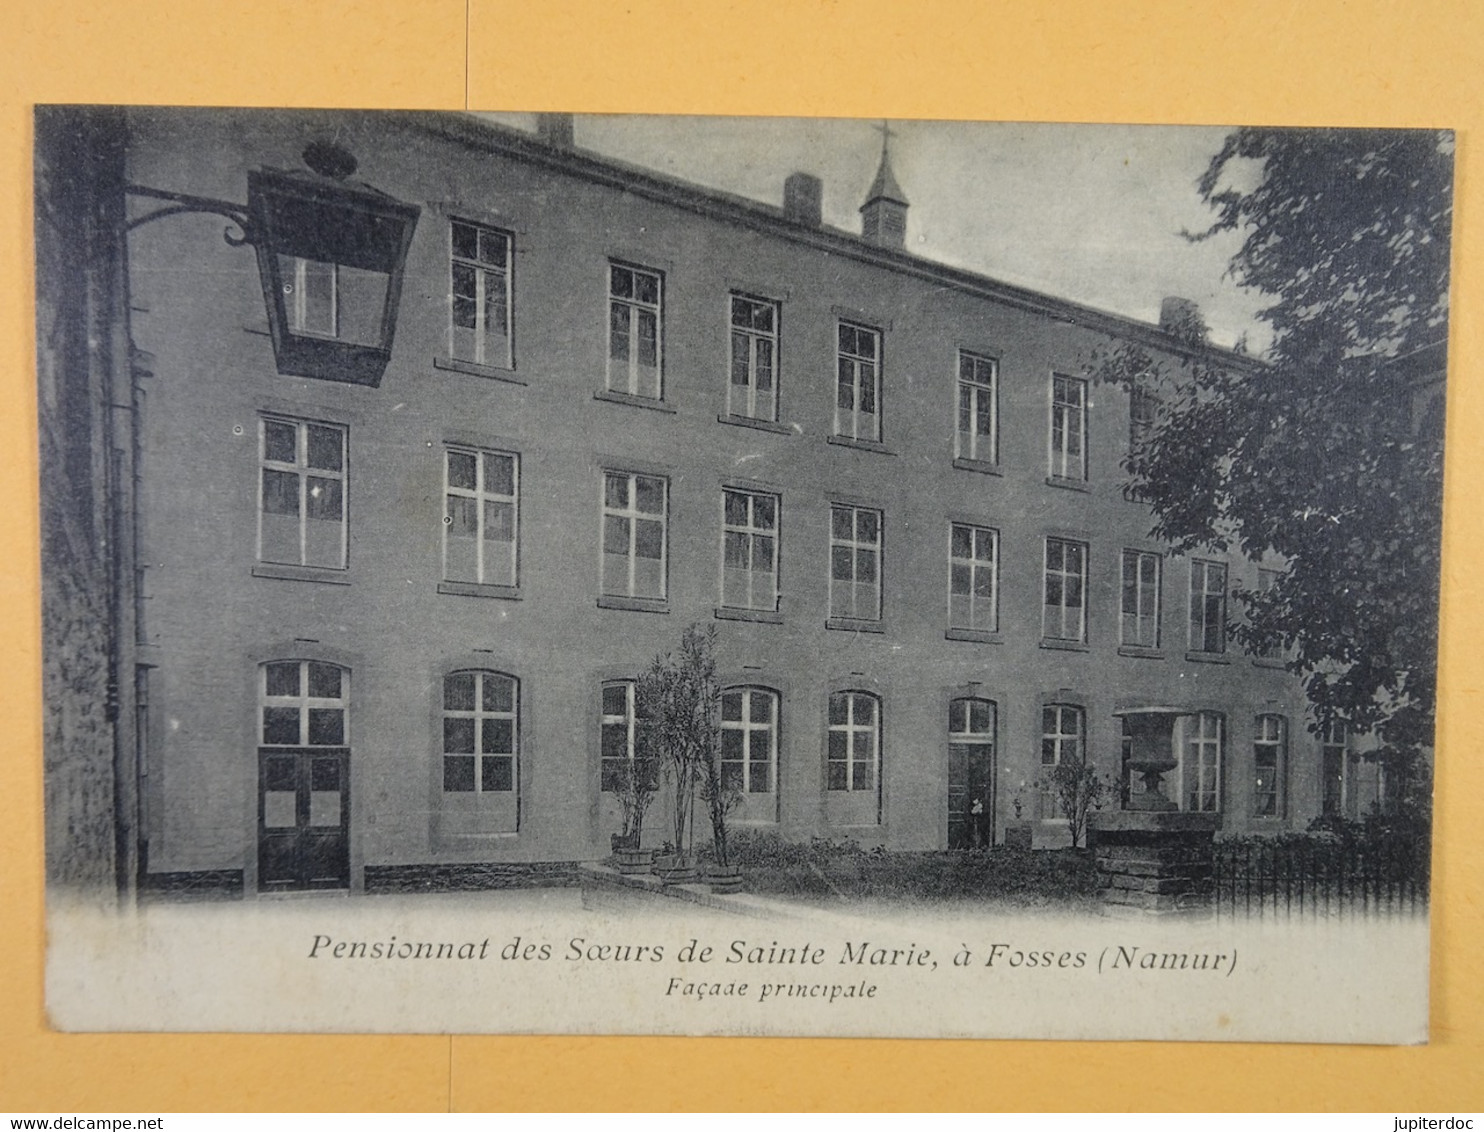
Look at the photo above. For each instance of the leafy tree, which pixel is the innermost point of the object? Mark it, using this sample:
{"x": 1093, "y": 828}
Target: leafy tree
{"x": 677, "y": 705}
{"x": 1312, "y": 453}
{"x": 1077, "y": 790}
{"x": 638, "y": 781}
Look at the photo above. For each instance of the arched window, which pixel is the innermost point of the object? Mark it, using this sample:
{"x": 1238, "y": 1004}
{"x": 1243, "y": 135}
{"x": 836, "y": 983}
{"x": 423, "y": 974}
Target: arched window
{"x": 481, "y": 732}
{"x": 855, "y": 742}
{"x": 749, "y": 740}
{"x": 303, "y": 704}
{"x": 619, "y": 730}
{"x": 1270, "y": 767}
{"x": 971, "y": 740}
{"x": 1200, "y": 763}
{"x": 1063, "y": 740}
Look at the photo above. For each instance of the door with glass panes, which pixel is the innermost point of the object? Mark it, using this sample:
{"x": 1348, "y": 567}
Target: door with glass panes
{"x": 971, "y": 734}
{"x": 303, "y": 777}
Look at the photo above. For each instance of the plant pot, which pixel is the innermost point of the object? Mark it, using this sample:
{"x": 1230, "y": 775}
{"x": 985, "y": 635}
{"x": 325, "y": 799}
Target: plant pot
{"x": 675, "y": 870}
{"x": 724, "y": 878}
{"x": 632, "y": 861}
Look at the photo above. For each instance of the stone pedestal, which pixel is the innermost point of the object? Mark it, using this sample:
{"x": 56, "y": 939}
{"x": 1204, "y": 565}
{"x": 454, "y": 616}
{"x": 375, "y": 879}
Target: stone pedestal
{"x": 1154, "y": 862}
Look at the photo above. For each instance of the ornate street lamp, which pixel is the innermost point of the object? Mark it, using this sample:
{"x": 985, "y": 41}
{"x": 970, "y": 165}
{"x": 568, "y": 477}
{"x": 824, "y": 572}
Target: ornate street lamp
{"x": 331, "y": 254}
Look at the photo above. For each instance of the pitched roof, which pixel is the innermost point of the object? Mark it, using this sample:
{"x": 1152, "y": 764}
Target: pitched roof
{"x": 885, "y": 186}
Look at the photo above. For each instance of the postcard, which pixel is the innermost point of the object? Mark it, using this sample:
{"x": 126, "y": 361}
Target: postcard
{"x": 526, "y": 573}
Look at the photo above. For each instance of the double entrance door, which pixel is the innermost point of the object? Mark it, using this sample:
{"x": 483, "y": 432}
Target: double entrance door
{"x": 303, "y": 818}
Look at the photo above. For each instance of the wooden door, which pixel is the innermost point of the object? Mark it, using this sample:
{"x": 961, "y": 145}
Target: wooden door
{"x": 303, "y": 818}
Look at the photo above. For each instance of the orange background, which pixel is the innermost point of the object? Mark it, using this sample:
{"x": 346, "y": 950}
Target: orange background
{"x": 1341, "y": 62}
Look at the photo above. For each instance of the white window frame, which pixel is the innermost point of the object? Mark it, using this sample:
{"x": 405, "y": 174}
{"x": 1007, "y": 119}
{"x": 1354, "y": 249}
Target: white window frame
{"x": 1202, "y": 752}
{"x": 631, "y": 514}
{"x": 1270, "y": 756}
{"x": 303, "y": 702}
{"x": 628, "y": 720}
{"x": 1207, "y": 584}
{"x": 750, "y": 535}
{"x": 747, "y": 727}
{"x": 983, "y": 613}
{"x": 1068, "y": 422}
{"x": 864, "y": 374}
{"x": 1059, "y": 743}
{"x": 1063, "y": 611}
{"x": 625, "y": 375}
{"x": 977, "y": 389}
{"x": 1334, "y": 743}
{"x": 851, "y": 729}
{"x": 481, "y": 495}
{"x": 856, "y": 545}
{"x": 484, "y": 272}
{"x": 1139, "y": 627}
{"x": 479, "y": 714}
{"x": 304, "y": 473}
{"x": 743, "y": 397}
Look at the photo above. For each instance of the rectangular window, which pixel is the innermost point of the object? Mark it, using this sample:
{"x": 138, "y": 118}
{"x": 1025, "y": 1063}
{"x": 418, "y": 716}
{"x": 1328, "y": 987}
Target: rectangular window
{"x": 749, "y": 550}
{"x": 480, "y": 288}
{"x": 1140, "y": 615}
{"x": 635, "y": 308}
{"x": 1143, "y": 409}
{"x": 1270, "y": 767}
{"x": 1267, "y": 581}
{"x": 973, "y": 578}
{"x": 858, "y": 383}
{"x": 1207, "y": 606}
{"x": 618, "y": 735}
{"x": 1200, "y": 765}
{"x": 752, "y": 387}
{"x": 977, "y": 434}
{"x": 481, "y": 516}
{"x": 301, "y": 512}
{"x": 1068, "y": 428}
{"x": 635, "y": 509}
{"x": 1063, "y": 733}
{"x": 1334, "y": 746}
{"x": 855, "y": 563}
{"x": 1064, "y": 609}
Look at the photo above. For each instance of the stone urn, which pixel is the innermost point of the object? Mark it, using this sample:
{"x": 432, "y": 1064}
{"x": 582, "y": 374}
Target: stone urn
{"x": 1152, "y": 730}
{"x": 1152, "y": 858}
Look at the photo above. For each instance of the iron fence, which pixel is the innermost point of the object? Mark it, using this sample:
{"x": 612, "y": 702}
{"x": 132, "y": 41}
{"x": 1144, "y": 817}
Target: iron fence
{"x": 1320, "y": 877}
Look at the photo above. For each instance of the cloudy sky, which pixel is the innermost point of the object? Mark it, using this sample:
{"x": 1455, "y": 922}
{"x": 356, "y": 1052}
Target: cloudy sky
{"x": 1090, "y": 213}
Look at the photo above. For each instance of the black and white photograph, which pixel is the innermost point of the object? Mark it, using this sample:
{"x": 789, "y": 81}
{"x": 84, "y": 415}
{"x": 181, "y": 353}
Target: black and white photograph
{"x": 551, "y": 573}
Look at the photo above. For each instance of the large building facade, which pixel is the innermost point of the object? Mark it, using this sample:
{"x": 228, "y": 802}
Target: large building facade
{"x": 387, "y": 633}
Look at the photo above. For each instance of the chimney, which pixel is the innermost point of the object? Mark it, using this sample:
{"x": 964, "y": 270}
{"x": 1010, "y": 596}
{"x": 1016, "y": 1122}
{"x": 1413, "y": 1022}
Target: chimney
{"x": 555, "y": 129}
{"x": 1182, "y": 319}
{"x": 803, "y": 197}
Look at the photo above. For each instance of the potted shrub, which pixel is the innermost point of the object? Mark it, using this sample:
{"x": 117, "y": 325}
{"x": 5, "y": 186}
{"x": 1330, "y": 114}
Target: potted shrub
{"x": 721, "y": 798}
{"x": 676, "y": 700}
{"x": 637, "y": 785}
